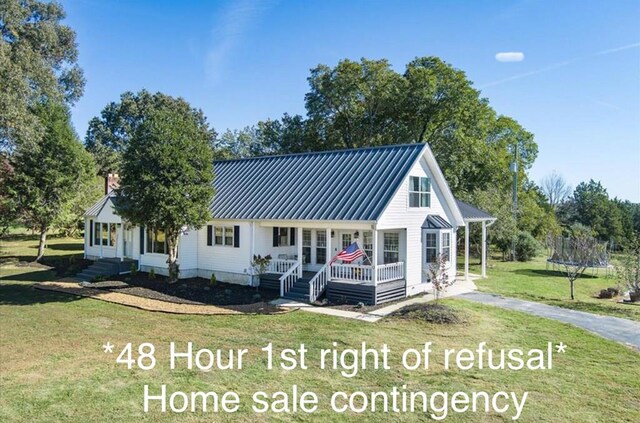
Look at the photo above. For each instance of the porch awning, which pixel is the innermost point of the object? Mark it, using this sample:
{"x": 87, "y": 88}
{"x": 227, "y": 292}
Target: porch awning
{"x": 436, "y": 222}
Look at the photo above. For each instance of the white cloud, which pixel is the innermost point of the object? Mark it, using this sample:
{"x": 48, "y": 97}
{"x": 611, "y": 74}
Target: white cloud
{"x": 510, "y": 56}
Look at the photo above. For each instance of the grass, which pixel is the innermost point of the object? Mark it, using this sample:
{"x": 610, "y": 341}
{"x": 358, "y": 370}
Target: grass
{"x": 52, "y": 367}
{"x": 534, "y": 282}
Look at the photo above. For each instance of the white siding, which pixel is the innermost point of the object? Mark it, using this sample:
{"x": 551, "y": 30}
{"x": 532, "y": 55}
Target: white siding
{"x": 230, "y": 264}
{"x": 398, "y": 215}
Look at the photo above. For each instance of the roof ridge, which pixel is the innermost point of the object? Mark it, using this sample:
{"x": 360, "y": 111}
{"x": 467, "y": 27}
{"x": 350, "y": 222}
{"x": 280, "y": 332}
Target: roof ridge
{"x": 309, "y": 153}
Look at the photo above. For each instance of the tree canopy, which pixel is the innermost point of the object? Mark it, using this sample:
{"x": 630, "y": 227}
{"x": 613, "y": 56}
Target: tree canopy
{"x": 48, "y": 174}
{"x": 38, "y": 61}
{"x": 167, "y": 174}
{"x": 109, "y": 134}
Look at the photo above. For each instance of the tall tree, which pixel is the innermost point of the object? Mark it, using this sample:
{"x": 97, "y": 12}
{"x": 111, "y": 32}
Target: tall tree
{"x": 38, "y": 60}
{"x": 49, "y": 173}
{"x": 555, "y": 188}
{"x": 167, "y": 174}
{"x": 109, "y": 134}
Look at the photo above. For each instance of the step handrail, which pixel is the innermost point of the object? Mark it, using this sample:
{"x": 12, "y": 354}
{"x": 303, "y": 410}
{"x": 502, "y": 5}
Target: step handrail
{"x": 318, "y": 283}
{"x": 288, "y": 279}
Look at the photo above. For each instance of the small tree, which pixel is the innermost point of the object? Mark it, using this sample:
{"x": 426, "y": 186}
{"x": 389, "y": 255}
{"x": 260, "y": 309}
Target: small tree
{"x": 167, "y": 175}
{"x": 48, "y": 173}
{"x": 438, "y": 274}
{"x": 577, "y": 253}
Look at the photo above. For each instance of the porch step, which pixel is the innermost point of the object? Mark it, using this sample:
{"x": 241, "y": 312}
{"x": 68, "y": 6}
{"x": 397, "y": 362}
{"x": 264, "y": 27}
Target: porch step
{"x": 104, "y": 267}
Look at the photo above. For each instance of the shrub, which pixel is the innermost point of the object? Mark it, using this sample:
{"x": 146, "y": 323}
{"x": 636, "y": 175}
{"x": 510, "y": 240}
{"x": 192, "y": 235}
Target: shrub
{"x": 152, "y": 274}
{"x": 526, "y": 246}
{"x": 608, "y": 293}
{"x": 213, "y": 280}
{"x": 134, "y": 269}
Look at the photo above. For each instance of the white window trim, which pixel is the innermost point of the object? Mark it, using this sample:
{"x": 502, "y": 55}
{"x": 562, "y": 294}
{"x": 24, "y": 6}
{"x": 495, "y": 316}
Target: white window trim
{"x": 411, "y": 191}
{"x": 224, "y": 237}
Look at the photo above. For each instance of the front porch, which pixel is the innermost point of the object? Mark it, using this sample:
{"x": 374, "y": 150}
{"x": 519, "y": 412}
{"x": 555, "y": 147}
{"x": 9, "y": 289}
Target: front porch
{"x": 301, "y": 266}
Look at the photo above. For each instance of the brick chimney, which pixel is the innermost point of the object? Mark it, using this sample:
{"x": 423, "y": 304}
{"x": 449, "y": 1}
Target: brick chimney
{"x": 111, "y": 182}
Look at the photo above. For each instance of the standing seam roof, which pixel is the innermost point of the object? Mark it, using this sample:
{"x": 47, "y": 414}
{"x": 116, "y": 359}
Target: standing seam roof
{"x": 334, "y": 185}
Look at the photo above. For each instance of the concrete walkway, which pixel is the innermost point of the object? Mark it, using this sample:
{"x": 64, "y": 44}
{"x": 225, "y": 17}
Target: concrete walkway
{"x": 613, "y": 328}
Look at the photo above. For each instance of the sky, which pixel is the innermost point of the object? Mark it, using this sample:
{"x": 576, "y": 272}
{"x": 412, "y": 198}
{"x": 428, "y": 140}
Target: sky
{"x": 568, "y": 71}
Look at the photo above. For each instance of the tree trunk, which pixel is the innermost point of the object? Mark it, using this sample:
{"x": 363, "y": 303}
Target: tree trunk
{"x": 572, "y": 295}
{"x": 172, "y": 245}
{"x": 43, "y": 241}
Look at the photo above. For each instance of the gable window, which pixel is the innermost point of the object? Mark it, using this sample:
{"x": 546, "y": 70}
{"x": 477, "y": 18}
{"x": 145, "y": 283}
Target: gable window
{"x": 156, "y": 241}
{"x": 446, "y": 245}
{"x": 431, "y": 247}
{"x": 391, "y": 248}
{"x": 419, "y": 191}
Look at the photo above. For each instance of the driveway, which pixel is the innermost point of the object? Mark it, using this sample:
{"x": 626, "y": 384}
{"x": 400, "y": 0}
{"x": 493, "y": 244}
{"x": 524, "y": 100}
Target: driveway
{"x": 613, "y": 328}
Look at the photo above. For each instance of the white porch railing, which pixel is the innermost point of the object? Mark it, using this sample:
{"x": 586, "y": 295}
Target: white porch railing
{"x": 390, "y": 272}
{"x": 318, "y": 283}
{"x": 289, "y": 278}
{"x": 364, "y": 273}
{"x": 352, "y": 272}
{"x": 280, "y": 266}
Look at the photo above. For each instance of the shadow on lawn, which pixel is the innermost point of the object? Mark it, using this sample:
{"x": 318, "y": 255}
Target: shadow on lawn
{"x": 66, "y": 247}
{"x": 548, "y": 273}
{"x": 23, "y": 294}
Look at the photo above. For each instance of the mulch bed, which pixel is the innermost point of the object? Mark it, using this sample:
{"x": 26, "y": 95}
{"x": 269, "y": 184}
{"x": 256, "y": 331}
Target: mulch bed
{"x": 198, "y": 291}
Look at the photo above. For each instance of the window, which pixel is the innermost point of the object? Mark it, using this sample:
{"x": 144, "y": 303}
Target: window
{"x": 228, "y": 236}
{"x": 367, "y": 243}
{"x": 391, "y": 247}
{"x": 346, "y": 240}
{"x": 321, "y": 247}
{"x": 105, "y": 234}
{"x": 446, "y": 245}
{"x": 306, "y": 246}
{"x": 419, "y": 191}
{"x": 224, "y": 235}
{"x": 96, "y": 233}
{"x": 156, "y": 242}
{"x": 283, "y": 236}
{"x": 431, "y": 247}
{"x": 112, "y": 234}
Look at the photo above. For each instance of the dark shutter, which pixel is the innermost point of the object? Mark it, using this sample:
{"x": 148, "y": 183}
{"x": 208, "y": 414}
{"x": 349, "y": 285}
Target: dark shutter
{"x": 209, "y": 235}
{"x": 141, "y": 240}
{"x": 91, "y": 233}
{"x": 276, "y": 232}
{"x": 292, "y": 236}
{"x": 236, "y": 236}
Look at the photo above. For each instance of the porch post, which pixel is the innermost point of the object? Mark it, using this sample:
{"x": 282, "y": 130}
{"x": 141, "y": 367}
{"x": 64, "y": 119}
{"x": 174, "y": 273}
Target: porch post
{"x": 299, "y": 245}
{"x": 484, "y": 248}
{"x": 466, "y": 250}
{"x": 374, "y": 259}
{"x": 121, "y": 243}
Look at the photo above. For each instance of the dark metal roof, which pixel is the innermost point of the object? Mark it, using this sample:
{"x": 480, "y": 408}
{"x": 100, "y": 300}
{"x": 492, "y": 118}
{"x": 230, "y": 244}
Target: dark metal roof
{"x": 470, "y": 212}
{"x": 96, "y": 208}
{"x": 436, "y": 222}
{"x": 332, "y": 185}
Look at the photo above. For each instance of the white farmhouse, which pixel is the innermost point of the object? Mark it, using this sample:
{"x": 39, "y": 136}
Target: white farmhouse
{"x": 302, "y": 210}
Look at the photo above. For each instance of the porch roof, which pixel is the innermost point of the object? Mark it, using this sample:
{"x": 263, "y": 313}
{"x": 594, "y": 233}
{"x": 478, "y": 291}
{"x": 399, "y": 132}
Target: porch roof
{"x": 332, "y": 185}
{"x": 436, "y": 222}
{"x": 471, "y": 213}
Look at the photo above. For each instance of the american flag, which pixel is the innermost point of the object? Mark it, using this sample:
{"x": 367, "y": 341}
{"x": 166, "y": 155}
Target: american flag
{"x": 349, "y": 254}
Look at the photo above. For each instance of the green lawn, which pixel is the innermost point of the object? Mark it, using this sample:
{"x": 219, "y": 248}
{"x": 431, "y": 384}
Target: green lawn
{"x": 533, "y": 281}
{"x": 53, "y": 368}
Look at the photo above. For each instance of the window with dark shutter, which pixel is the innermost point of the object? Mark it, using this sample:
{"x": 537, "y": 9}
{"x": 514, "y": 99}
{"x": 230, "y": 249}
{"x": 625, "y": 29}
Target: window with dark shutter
{"x": 91, "y": 233}
{"x": 292, "y": 236}
{"x": 209, "y": 235}
{"x": 236, "y": 236}
{"x": 276, "y": 233}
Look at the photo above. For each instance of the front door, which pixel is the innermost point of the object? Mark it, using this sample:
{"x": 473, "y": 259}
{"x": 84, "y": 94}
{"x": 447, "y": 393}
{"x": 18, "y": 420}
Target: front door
{"x": 128, "y": 243}
{"x": 429, "y": 252}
